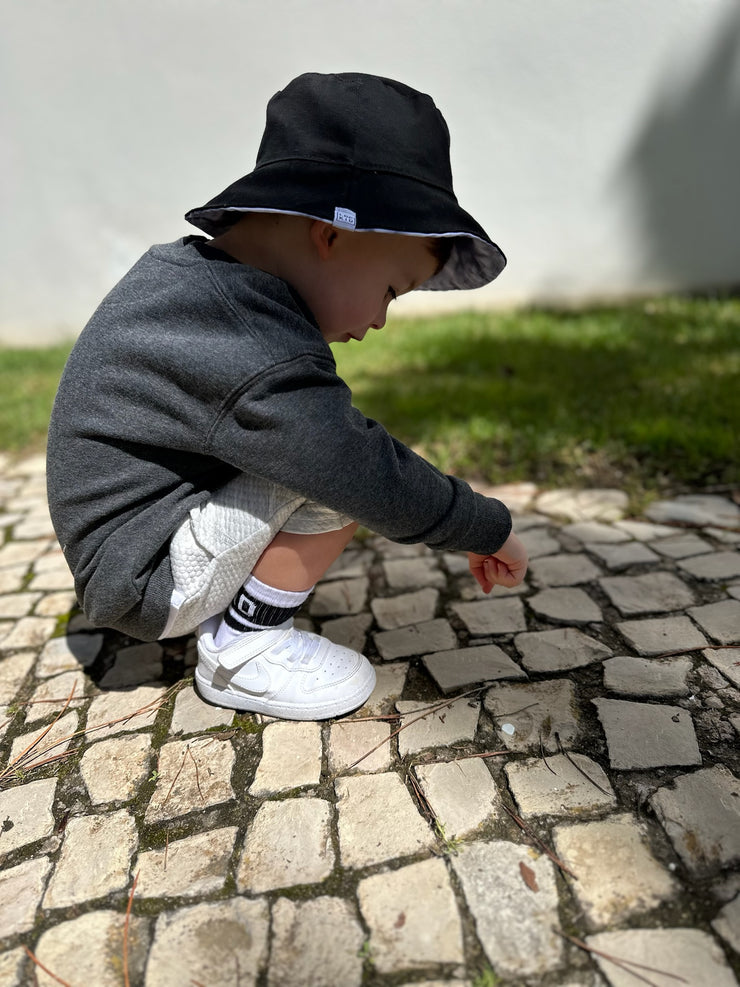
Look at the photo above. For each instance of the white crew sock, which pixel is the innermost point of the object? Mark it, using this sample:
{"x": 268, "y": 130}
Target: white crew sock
{"x": 256, "y": 607}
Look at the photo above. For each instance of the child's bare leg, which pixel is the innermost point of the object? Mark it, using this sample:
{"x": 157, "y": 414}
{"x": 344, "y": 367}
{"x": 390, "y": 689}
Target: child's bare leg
{"x": 296, "y": 562}
{"x": 281, "y": 580}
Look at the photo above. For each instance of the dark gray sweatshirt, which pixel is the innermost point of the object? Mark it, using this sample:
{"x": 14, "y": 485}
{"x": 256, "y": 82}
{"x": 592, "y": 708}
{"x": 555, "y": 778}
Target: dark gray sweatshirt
{"x": 196, "y": 367}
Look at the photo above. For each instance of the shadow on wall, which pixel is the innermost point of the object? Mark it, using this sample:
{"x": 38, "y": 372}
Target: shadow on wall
{"x": 684, "y": 170}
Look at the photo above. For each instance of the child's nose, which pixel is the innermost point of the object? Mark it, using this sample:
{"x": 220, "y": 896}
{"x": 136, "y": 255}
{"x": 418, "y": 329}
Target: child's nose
{"x": 379, "y": 320}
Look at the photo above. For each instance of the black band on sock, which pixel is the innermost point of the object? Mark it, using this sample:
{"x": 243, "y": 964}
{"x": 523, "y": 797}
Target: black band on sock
{"x": 246, "y": 612}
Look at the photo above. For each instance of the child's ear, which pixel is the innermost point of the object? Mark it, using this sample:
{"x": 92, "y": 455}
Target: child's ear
{"x": 323, "y": 237}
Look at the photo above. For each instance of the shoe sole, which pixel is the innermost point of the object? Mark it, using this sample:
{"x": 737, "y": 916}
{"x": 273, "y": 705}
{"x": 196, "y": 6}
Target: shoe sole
{"x": 285, "y": 711}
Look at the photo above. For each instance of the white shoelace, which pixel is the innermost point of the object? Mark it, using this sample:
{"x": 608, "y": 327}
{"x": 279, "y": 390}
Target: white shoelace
{"x": 303, "y": 645}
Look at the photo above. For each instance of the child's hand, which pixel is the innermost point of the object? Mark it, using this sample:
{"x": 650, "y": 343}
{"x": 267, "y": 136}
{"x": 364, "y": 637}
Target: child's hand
{"x": 506, "y": 568}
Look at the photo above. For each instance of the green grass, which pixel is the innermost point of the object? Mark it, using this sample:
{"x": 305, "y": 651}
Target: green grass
{"x": 28, "y": 382}
{"x": 643, "y": 396}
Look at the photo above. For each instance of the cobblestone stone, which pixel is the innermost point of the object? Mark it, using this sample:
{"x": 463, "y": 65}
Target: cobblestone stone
{"x": 25, "y": 813}
{"x": 191, "y": 775}
{"x": 465, "y": 666}
{"x": 83, "y": 876}
{"x": 461, "y": 793}
{"x": 412, "y": 917}
{"x": 196, "y": 865}
{"x": 583, "y": 505}
{"x": 559, "y": 786}
{"x": 616, "y": 874}
{"x": 209, "y": 943}
{"x": 563, "y": 570}
{"x": 135, "y": 665}
{"x": 661, "y": 635}
{"x": 440, "y": 727}
{"x": 681, "y": 954}
{"x": 288, "y": 843}
{"x": 291, "y": 757}
{"x": 13, "y": 670}
{"x": 122, "y": 712}
{"x": 618, "y": 557}
{"x": 193, "y": 715}
{"x": 721, "y": 621}
{"x": 726, "y": 661}
{"x": 700, "y": 813}
{"x": 528, "y": 716}
{"x": 300, "y": 957}
{"x": 644, "y": 735}
{"x": 647, "y": 677}
{"x": 701, "y": 509}
{"x": 717, "y": 566}
{"x": 101, "y": 960}
{"x": 503, "y": 616}
{"x": 727, "y": 924}
{"x": 558, "y": 650}
{"x": 405, "y": 574}
{"x": 513, "y": 921}
{"x": 349, "y": 741}
{"x": 114, "y": 770}
{"x": 409, "y": 608}
{"x": 378, "y": 821}
{"x": 21, "y": 889}
{"x": 658, "y": 592}
{"x": 350, "y": 632}
{"x": 565, "y": 606}
{"x": 28, "y": 632}
{"x": 64, "y": 654}
{"x": 339, "y": 597}
{"x": 418, "y": 639}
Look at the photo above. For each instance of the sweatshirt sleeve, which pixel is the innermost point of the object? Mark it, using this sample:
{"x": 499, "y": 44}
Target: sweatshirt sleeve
{"x": 295, "y": 425}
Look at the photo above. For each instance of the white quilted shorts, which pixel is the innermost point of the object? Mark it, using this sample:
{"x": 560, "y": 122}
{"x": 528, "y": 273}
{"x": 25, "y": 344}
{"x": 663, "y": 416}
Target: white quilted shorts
{"x": 217, "y": 546}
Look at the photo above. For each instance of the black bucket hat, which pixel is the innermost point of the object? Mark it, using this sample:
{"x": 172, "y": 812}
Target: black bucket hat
{"x": 362, "y": 153}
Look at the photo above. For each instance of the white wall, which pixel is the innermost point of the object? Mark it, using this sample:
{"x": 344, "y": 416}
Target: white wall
{"x": 598, "y": 141}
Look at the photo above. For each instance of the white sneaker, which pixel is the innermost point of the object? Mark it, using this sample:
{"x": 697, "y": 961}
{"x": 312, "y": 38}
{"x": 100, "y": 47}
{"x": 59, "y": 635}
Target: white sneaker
{"x": 282, "y": 672}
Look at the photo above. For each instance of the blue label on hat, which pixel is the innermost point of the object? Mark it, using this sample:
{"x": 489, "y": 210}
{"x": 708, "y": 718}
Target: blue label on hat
{"x": 345, "y": 218}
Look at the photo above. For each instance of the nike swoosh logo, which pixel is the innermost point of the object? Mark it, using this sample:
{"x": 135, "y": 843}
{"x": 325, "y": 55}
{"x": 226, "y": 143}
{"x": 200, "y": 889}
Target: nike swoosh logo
{"x": 252, "y": 677}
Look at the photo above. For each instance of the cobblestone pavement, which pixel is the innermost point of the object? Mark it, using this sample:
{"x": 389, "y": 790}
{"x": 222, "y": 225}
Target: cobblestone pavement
{"x": 560, "y": 804}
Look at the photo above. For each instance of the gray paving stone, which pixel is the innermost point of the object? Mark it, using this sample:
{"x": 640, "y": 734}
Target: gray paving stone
{"x": 462, "y": 794}
{"x": 594, "y": 532}
{"x": 655, "y": 592}
{"x": 726, "y": 661}
{"x": 734, "y": 591}
{"x": 632, "y": 676}
{"x": 565, "y": 606}
{"x": 441, "y": 727}
{"x": 721, "y": 621}
{"x": 645, "y": 735}
{"x": 568, "y": 569}
{"x": 643, "y": 531}
{"x": 210, "y": 943}
{"x": 350, "y": 632}
{"x": 682, "y": 546}
{"x": 114, "y": 770}
{"x": 13, "y": 605}
{"x": 503, "y": 616}
{"x": 12, "y": 578}
{"x": 661, "y": 635}
{"x": 28, "y": 632}
{"x": 192, "y": 775}
{"x": 538, "y": 542}
{"x": 378, "y": 820}
{"x": 418, "y": 639}
{"x": 700, "y": 813}
{"x": 727, "y": 924}
{"x": 13, "y": 670}
{"x": 21, "y": 888}
{"x": 527, "y": 717}
{"x": 617, "y": 557}
{"x": 412, "y": 916}
{"x": 196, "y": 865}
{"x": 193, "y": 715}
{"x": 123, "y": 712}
{"x": 717, "y": 566}
{"x": 584, "y": 505}
{"x": 89, "y": 950}
{"x": 25, "y": 812}
{"x": 69, "y": 653}
{"x": 136, "y": 665}
{"x": 351, "y": 564}
{"x": 518, "y": 497}
{"x": 301, "y": 957}
{"x": 557, "y": 786}
{"x": 695, "y": 509}
{"x": 54, "y": 578}
{"x": 687, "y": 955}
{"x": 465, "y": 666}
{"x": 22, "y": 553}
{"x": 288, "y": 843}
{"x": 558, "y": 650}
{"x": 350, "y": 740}
{"x": 83, "y": 876}
{"x": 617, "y": 875}
{"x": 414, "y": 573}
{"x": 339, "y": 597}
{"x": 291, "y": 757}
{"x": 514, "y": 923}
{"x": 409, "y": 608}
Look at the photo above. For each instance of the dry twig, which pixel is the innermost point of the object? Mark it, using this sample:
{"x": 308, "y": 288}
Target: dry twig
{"x": 46, "y": 970}
{"x": 623, "y": 964}
{"x": 543, "y": 846}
